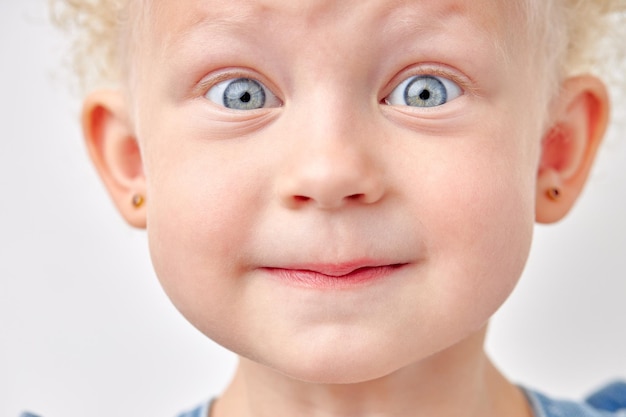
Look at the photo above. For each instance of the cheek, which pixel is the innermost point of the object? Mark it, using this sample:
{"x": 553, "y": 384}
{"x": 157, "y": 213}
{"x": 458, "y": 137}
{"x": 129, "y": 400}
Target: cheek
{"x": 481, "y": 221}
{"x": 202, "y": 209}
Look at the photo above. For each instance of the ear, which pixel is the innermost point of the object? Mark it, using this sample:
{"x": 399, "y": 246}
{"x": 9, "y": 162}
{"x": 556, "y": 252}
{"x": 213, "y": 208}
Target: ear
{"x": 114, "y": 151}
{"x": 570, "y": 145}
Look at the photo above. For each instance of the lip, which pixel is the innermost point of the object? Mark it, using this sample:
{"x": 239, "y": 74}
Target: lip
{"x": 334, "y": 276}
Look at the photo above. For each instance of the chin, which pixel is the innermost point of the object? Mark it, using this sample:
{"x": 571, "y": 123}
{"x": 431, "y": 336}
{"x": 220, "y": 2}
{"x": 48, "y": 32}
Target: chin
{"x": 339, "y": 366}
{"x": 337, "y": 375}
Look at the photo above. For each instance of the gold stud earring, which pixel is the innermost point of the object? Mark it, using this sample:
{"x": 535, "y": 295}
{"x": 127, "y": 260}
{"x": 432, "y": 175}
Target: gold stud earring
{"x": 138, "y": 201}
{"x": 554, "y": 193}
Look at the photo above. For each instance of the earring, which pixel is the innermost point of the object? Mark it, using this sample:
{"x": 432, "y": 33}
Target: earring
{"x": 138, "y": 201}
{"x": 554, "y": 193}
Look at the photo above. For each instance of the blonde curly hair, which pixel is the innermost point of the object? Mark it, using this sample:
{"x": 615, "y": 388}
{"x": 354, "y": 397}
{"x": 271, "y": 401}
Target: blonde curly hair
{"x": 577, "y": 36}
{"x": 98, "y": 29}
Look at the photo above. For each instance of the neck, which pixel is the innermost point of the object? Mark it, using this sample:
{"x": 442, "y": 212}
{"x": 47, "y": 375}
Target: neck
{"x": 457, "y": 382}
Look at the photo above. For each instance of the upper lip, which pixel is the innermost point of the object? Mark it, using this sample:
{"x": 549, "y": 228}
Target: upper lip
{"x": 339, "y": 269}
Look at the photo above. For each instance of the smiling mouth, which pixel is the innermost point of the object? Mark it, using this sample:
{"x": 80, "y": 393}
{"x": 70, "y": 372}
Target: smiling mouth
{"x": 334, "y": 276}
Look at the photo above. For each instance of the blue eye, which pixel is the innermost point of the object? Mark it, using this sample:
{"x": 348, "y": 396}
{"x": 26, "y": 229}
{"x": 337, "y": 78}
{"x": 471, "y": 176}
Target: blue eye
{"x": 424, "y": 91}
{"x": 242, "y": 94}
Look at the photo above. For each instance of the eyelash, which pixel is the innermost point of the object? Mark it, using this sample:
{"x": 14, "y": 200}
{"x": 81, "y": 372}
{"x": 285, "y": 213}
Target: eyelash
{"x": 435, "y": 70}
{"x": 204, "y": 86}
{"x": 465, "y": 85}
{"x": 424, "y": 91}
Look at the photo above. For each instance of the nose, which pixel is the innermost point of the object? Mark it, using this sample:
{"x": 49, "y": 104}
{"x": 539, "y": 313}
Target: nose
{"x": 332, "y": 165}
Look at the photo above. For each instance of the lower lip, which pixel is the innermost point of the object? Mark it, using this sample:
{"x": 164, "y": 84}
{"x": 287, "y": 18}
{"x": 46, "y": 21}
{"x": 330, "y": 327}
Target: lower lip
{"x": 316, "y": 280}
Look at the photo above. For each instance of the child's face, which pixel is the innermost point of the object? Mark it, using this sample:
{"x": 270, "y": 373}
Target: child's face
{"x": 336, "y": 173}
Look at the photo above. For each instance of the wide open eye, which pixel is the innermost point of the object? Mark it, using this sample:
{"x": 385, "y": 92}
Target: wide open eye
{"x": 242, "y": 94}
{"x": 424, "y": 91}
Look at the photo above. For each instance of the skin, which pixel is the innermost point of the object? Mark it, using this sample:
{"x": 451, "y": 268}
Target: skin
{"x": 334, "y": 176}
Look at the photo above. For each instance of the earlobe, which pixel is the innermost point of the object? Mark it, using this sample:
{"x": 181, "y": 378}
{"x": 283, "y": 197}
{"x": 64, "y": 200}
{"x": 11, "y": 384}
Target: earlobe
{"x": 570, "y": 145}
{"x": 115, "y": 152}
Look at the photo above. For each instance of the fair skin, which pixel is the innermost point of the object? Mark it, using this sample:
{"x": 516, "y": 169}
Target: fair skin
{"x": 348, "y": 246}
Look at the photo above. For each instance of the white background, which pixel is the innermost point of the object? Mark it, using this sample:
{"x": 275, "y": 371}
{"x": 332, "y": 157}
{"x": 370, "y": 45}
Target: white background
{"x": 85, "y": 330}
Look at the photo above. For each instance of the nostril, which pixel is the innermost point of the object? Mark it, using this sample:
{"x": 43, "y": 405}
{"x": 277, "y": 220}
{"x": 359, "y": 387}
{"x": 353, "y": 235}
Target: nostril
{"x": 301, "y": 198}
{"x": 356, "y": 196}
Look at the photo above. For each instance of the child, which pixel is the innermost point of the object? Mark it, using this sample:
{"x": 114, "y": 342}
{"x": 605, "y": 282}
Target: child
{"x": 343, "y": 193}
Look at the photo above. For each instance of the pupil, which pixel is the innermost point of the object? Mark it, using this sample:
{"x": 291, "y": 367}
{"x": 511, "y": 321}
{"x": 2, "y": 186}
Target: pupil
{"x": 245, "y": 97}
{"x": 425, "y": 95}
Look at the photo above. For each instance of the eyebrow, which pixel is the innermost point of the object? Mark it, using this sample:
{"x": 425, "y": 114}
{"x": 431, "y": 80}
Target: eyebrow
{"x": 199, "y": 25}
{"x": 203, "y": 21}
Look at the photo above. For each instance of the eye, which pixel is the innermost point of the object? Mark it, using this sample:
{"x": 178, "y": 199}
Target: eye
{"x": 242, "y": 94}
{"x": 424, "y": 91}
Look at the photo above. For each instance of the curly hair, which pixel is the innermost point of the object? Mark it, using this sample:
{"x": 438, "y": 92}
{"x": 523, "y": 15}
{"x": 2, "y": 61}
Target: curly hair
{"x": 97, "y": 29}
{"x": 583, "y": 36}
{"x": 577, "y": 36}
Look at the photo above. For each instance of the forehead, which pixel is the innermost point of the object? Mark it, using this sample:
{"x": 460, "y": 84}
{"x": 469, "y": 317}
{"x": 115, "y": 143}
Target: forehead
{"x": 170, "y": 21}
